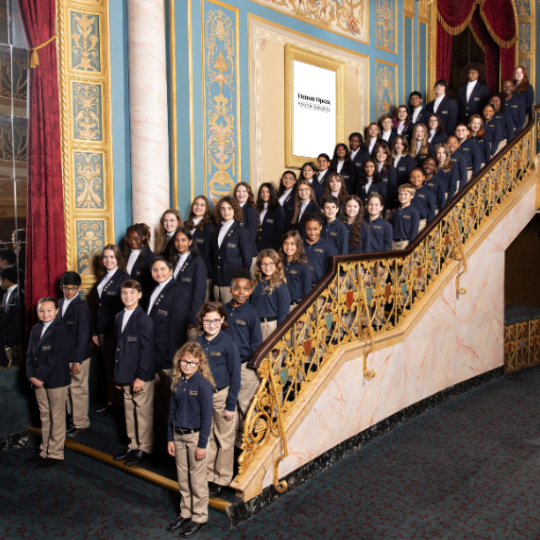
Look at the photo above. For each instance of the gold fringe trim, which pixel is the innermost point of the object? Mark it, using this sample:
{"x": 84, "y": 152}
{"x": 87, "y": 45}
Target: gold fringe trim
{"x": 33, "y": 52}
{"x": 476, "y": 38}
{"x": 455, "y": 30}
{"x": 497, "y": 39}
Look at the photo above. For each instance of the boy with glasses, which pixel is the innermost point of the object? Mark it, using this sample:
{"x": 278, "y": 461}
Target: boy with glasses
{"x": 76, "y": 316}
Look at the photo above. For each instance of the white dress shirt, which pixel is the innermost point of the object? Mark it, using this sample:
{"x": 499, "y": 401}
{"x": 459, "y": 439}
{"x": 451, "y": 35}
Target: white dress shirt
{"x": 155, "y": 294}
{"x": 223, "y": 232}
{"x": 180, "y": 263}
{"x": 106, "y": 279}
{"x": 127, "y": 314}
{"x": 133, "y": 256}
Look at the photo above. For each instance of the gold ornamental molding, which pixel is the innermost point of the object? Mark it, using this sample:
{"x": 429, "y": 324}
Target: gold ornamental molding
{"x": 86, "y": 137}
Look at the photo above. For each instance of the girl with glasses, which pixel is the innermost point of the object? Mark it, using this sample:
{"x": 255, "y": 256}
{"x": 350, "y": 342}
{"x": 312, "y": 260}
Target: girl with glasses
{"x": 225, "y": 364}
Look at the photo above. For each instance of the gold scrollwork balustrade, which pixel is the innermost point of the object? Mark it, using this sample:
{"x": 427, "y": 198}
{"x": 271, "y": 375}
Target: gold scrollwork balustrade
{"x": 363, "y": 296}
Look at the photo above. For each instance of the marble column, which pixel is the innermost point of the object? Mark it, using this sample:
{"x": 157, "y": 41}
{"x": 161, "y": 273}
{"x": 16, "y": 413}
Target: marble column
{"x": 148, "y": 113}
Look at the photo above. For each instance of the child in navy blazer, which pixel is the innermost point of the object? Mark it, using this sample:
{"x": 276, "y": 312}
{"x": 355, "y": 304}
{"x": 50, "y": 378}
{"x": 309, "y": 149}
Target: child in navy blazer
{"x": 107, "y": 304}
{"x": 271, "y": 218}
{"x": 134, "y": 373}
{"x": 75, "y": 314}
{"x": 190, "y": 422}
{"x": 47, "y": 369}
{"x": 296, "y": 266}
{"x": 139, "y": 256}
{"x": 231, "y": 247}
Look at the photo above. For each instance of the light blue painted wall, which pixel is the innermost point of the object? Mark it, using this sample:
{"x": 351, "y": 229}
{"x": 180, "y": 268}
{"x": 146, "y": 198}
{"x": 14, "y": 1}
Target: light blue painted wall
{"x": 120, "y": 117}
{"x": 123, "y": 210}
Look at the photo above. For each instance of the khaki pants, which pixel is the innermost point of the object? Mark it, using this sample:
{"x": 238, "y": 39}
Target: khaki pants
{"x": 139, "y": 414}
{"x": 397, "y": 245}
{"x": 77, "y": 396}
{"x": 191, "y": 476}
{"x": 106, "y": 342}
{"x": 267, "y": 328}
{"x": 222, "y": 294}
{"x": 52, "y": 413}
{"x": 220, "y": 455}
{"x": 250, "y": 384}
{"x": 14, "y": 355}
{"x": 162, "y": 394}
{"x": 193, "y": 333}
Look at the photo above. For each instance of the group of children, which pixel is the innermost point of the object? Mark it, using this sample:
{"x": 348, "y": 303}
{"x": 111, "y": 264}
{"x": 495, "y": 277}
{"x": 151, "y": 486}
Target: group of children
{"x": 177, "y": 327}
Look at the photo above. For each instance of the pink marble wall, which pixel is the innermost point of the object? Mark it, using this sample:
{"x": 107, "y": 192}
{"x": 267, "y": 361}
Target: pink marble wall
{"x": 458, "y": 337}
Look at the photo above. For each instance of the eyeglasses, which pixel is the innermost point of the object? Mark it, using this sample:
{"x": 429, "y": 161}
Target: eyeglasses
{"x": 268, "y": 264}
{"x": 189, "y": 364}
{"x": 210, "y": 322}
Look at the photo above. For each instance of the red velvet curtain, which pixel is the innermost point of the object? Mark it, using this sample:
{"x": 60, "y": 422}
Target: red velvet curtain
{"x": 45, "y": 234}
{"x": 453, "y": 17}
{"x": 444, "y": 52}
{"x": 491, "y": 53}
{"x": 500, "y": 20}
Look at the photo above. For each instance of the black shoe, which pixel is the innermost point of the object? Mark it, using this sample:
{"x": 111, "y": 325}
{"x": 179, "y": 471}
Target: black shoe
{"x": 214, "y": 490}
{"x": 107, "y": 409}
{"x": 177, "y": 523}
{"x": 191, "y": 528}
{"x": 34, "y": 460}
{"x": 48, "y": 462}
{"x": 138, "y": 456}
{"x": 69, "y": 430}
{"x": 75, "y": 432}
{"x": 124, "y": 455}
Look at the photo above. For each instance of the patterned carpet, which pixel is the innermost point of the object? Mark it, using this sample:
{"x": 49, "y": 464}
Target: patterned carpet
{"x": 468, "y": 469}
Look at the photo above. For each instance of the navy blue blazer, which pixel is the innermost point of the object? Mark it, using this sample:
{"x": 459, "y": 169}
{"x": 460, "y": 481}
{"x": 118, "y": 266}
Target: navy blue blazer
{"x": 422, "y": 117}
{"x": 134, "y": 348}
{"x": 13, "y": 318}
{"x": 447, "y": 112}
{"x": 271, "y": 229}
{"x": 438, "y": 138}
{"x": 390, "y": 177}
{"x": 379, "y": 187}
{"x": 507, "y": 124}
{"x": 528, "y": 98}
{"x": 419, "y": 159}
{"x": 234, "y": 254}
{"x": 391, "y": 137}
{"x": 142, "y": 272}
{"x": 77, "y": 321}
{"x": 192, "y": 279}
{"x": 170, "y": 317}
{"x": 310, "y": 208}
{"x": 203, "y": 241}
{"x": 515, "y": 107}
{"x": 109, "y": 304}
{"x": 361, "y": 156}
{"x": 404, "y": 166}
{"x": 493, "y": 136}
{"x": 458, "y": 159}
{"x": 349, "y": 175}
{"x": 250, "y": 222}
{"x": 47, "y": 356}
{"x": 479, "y": 97}
{"x": 288, "y": 208}
{"x": 472, "y": 153}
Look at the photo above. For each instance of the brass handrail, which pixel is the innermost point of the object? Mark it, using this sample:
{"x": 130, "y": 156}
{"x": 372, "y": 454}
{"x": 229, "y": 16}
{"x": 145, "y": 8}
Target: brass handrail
{"x": 364, "y": 295}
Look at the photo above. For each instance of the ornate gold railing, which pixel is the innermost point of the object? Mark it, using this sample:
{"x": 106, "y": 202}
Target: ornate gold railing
{"x": 363, "y": 296}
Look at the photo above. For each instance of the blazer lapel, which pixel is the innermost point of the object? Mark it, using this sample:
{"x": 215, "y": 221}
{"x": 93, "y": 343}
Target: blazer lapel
{"x": 131, "y": 321}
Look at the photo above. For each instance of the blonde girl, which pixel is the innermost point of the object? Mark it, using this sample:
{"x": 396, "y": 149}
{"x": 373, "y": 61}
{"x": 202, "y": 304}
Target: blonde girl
{"x": 190, "y": 422}
{"x": 270, "y": 298}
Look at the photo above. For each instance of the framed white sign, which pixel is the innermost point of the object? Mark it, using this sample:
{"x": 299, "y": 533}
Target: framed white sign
{"x": 314, "y": 105}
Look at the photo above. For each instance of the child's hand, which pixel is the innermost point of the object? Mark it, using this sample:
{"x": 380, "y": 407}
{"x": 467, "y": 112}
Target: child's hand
{"x": 95, "y": 339}
{"x": 117, "y": 386}
{"x": 75, "y": 368}
{"x": 200, "y": 453}
{"x": 36, "y": 382}
{"x": 138, "y": 385}
{"x": 228, "y": 415}
{"x": 171, "y": 449}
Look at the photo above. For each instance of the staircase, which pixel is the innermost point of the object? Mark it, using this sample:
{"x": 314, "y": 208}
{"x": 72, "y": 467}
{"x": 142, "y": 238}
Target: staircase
{"x": 385, "y": 332}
